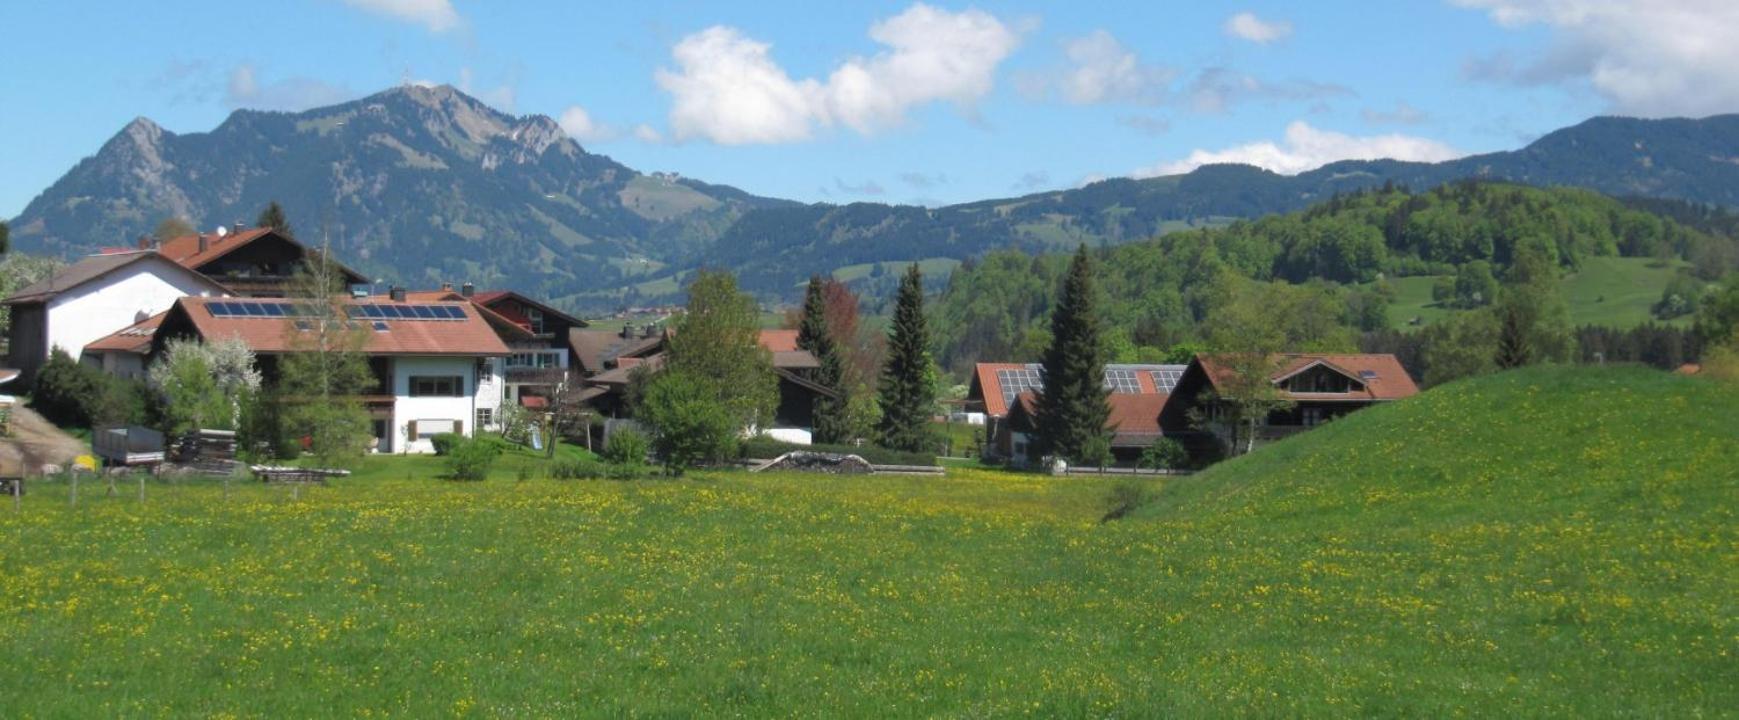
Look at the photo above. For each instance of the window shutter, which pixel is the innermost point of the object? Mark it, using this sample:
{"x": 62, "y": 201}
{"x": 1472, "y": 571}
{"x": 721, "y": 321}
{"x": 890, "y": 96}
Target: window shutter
{"x": 458, "y": 427}
{"x": 411, "y": 430}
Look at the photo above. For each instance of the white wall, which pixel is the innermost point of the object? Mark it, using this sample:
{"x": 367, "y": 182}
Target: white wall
{"x": 489, "y": 390}
{"x": 427, "y": 411}
{"x": 103, "y": 306}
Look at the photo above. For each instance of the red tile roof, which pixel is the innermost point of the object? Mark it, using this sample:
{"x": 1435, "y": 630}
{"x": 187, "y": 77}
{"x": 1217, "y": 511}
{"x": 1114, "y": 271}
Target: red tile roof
{"x": 984, "y": 378}
{"x": 135, "y": 338}
{"x": 779, "y": 340}
{"x": 1380, "y": 376}
{"x": 471, "y": 335}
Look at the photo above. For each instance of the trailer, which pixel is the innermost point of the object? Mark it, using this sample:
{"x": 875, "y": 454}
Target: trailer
{"x": 127, "y": 445}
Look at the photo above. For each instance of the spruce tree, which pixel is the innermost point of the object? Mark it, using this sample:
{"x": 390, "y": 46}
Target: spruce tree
{"x": 908, "y": 390}
{"x": 1072, "y": 406}
{"x": 273, "y": 217}
{"x": 815, "y": 335}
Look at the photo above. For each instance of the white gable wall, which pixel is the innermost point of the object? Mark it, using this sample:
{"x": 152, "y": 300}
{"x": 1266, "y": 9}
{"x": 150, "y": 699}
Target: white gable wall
{"x": 103, "y": 306}
{"x": 432, "y": 415}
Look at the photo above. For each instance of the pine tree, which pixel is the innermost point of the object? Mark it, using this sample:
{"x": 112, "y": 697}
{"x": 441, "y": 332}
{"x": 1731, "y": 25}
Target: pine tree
{"x": 273, "y": 217}
{"x": 908, "y": 390}
{"x": 1072, "y": 406}
{"x": 815, "y": 335}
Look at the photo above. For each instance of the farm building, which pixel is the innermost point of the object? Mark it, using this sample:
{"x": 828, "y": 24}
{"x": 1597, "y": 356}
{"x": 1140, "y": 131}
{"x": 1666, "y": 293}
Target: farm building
{"x": 1317, "y": 388}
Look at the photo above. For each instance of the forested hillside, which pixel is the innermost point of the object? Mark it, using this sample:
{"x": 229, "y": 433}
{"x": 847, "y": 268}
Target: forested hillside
{"x": 1341, "y": 257}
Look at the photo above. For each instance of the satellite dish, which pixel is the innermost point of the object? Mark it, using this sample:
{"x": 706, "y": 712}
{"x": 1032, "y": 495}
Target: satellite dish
{"x": 222, "y": 231}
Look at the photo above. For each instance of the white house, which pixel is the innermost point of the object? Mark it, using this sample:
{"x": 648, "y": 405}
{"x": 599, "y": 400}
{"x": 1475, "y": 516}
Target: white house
{"x": 93, "y": 298}
{"x": 437, "y": 364}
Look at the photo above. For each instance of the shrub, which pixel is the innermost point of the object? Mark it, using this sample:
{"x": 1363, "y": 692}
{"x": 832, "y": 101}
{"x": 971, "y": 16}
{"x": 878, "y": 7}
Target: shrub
{"x": 1125, "y": 497}
{"x": 69, "y": 393}
{"x": 690, "y": 425}
{"x": 471, "y": 459}
{"x": 1166, "y": 454}
{"x": 766, "y": 448}
{"x": 445, "y": 442}
{"x": 626, "y": 447}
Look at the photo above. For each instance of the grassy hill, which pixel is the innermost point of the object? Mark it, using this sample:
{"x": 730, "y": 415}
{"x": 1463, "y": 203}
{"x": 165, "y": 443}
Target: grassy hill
{"x": 1540, "y": 543}
{"x": 1617, "y": 292}
{"x": 1550, "y": 541}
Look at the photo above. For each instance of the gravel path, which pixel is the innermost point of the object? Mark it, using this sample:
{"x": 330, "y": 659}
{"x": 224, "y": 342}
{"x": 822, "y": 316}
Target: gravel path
{"x": 38, "y": 442}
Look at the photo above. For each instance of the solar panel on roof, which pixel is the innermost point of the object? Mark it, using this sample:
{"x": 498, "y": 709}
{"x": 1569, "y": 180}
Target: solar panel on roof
{"x": 423, "y": 311}
{"x": 1015, "y": 382}
{"x": 1122, "y": 381}
{"x": 1368, "y": 374}
{"x": 380, "y": 326}
{"x": 1166, "y": 380}
{"x": 276, "y": 310}
{"x": 455, "y": 312}
{"x": 216, "y": 310}
{"x": 254, "y": 309}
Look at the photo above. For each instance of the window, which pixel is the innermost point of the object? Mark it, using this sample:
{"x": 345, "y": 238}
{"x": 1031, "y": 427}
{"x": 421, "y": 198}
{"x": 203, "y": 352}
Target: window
{"x": 536, "y": 317}
{"x": 485, "y": 417}
{"x": 437, "y": 386}
{"x": 540, "y": 360}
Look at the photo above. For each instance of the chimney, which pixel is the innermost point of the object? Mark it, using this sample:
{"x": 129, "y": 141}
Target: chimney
{"x": 627, "y": 330}
{"x": 446, "y": 287}
{"x": 648, "y": 330}
{"x": 144, "y": 242}
{"x": 467, "y": 290}
{"x": 397, "y": 294}
{"x": 204, "y": 242}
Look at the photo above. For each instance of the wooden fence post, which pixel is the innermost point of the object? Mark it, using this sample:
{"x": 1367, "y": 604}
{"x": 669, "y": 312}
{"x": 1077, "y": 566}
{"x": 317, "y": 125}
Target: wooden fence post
{"x": 18, "y": 493}
{"x": 141, "y": 488}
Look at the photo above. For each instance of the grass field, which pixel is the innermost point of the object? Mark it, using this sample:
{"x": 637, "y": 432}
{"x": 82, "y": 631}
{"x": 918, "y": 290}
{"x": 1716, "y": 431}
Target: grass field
{"x": 1540, "y": 543}
{"x": 1611, "y": 291}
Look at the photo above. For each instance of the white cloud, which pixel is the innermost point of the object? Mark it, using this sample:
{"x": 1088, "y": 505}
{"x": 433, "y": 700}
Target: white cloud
{"x": 1647, "y": 57}
{"x": 728, "y": 89}
{"x": 579, "y": 125}
{"x": 647, "y": 134}
{"x": 1307, "y": 148}
{"x": 244, "y": 89}
{"x": 1101, "y": 69}
{"x": 1246, "y": 26}
{"x": 436, "y": 15}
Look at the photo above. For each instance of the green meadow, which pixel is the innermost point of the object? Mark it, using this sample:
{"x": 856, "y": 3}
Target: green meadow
{"x": 1617, "y": 292}
{"x": 1543, "y": 542}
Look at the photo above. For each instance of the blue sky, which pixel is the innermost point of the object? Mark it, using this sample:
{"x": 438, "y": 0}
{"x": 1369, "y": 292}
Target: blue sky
{"x": 887, "y": 101}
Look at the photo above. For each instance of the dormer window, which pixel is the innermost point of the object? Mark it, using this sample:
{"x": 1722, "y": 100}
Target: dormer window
{"x": 535, "y": 318}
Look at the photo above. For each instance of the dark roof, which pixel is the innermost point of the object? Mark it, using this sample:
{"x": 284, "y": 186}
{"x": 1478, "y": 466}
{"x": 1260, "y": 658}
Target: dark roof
{"x": 1377, "y": 376}
{"x": 185, "y": 249}
{"x": 596, "y": 348}
{"x": 92, "y": 268}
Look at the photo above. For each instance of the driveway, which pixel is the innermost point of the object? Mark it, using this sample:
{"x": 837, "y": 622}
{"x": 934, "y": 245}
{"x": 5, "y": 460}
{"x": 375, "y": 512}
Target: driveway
{"x": 37, "y": 442}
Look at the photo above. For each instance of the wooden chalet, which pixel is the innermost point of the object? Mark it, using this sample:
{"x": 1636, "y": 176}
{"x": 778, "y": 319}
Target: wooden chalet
{"x": 1318, "y": 388}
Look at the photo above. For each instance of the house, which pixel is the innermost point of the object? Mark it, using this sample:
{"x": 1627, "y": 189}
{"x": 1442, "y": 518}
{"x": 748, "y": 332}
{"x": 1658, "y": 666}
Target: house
{"x": 254, "y": 262}
{"x": 93, "y": 298}
{"x": 1133, "y": 426}
{"x": 539, "y": 337}
{"x": 123, "y": 352}
{"x": 432, "y": 361}
{"x": 616, "y": 355}
{"x": 996, "y": 387}
{"x": 1317, "y": 387}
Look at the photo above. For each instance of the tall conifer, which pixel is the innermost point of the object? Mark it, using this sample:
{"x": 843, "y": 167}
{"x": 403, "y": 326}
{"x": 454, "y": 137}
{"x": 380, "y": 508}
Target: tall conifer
{"x": 908, "y": 391}
{"x": 1072, "y": 407}
{"x": 814, "y": 335}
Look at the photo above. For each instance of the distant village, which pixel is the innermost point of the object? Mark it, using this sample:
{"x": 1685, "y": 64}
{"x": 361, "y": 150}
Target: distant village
{"x": 454, "y": 358}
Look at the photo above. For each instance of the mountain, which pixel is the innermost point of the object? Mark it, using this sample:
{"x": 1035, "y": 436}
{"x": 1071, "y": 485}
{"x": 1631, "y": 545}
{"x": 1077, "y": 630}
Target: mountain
{"x": 416, "y": 184}
{"x": 422, "y": 185}
{"x": 1689, "y": 160}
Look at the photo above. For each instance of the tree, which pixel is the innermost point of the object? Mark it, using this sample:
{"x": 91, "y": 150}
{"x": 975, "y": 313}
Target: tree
{"x": 170, "y": 228}
{"x": 717, "y": 343}
{"x": 18, "y": 270}
{"x": 908, "y": 382}
{"x": 1072, "y": 406}
{"x": 273, "y": 217}
{"x": 1164, "y": 454}
{"x": 5, "y": 238}
{"x": 204, "y": 385}
{"x": 1718, "y": 314}
{"x": 1474, "y": 284}
{"x": 1247, "y": 336}
{"x": 689, "y": 424}
{"x": 1533, "y": 321}
{"x": 815, "y": 335}
{"x": 323, "y": 376}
